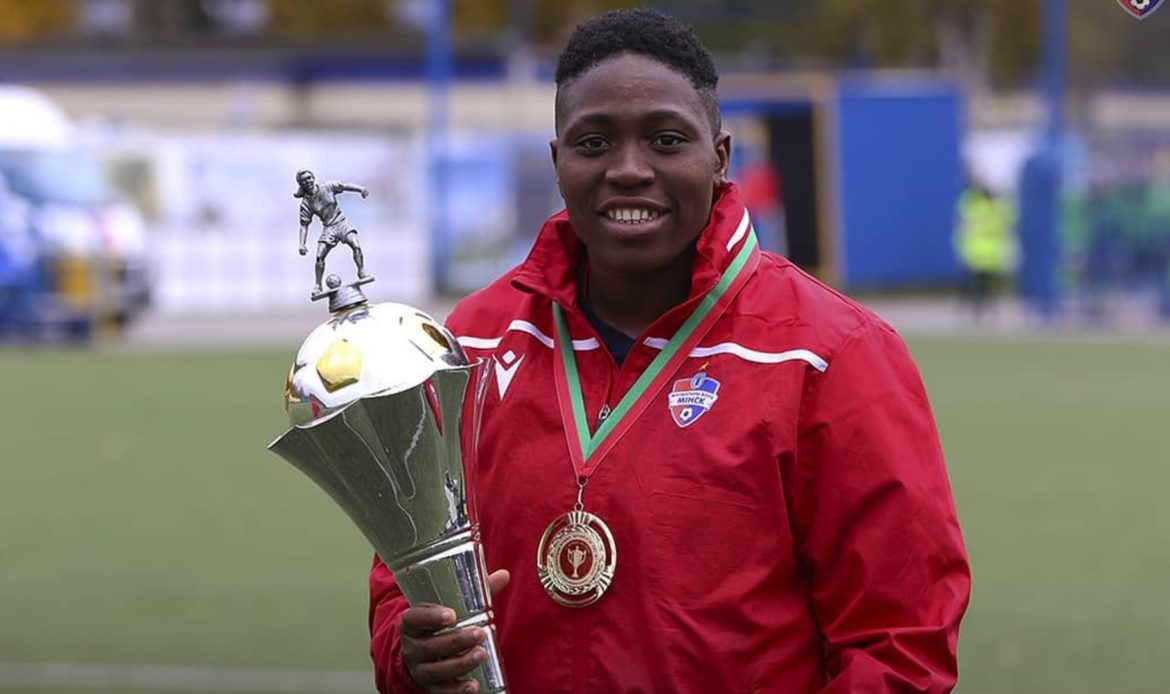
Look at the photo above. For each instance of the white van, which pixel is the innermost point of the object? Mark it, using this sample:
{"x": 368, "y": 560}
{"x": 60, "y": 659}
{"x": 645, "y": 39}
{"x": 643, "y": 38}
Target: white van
{"x": 94, "y": 256}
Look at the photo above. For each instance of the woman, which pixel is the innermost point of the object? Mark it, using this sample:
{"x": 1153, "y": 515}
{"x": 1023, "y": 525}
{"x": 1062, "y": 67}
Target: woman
{"x": 758, "y": 447}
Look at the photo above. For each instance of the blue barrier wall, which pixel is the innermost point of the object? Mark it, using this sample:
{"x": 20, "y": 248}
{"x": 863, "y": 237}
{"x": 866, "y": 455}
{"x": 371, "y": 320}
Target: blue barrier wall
{"x": 900, "y": 173}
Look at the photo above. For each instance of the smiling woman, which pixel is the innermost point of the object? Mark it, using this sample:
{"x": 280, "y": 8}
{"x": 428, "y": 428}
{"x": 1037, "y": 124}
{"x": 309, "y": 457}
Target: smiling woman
{"x": 758, "y": 446}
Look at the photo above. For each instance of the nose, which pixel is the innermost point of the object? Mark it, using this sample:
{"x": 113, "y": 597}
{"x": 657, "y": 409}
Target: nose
{"x": 629, "y": 168}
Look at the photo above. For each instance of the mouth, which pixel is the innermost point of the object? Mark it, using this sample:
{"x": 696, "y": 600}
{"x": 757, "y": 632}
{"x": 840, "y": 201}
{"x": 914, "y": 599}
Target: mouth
{"x": 632, "y": 219}
{"x": 631, "y": 215}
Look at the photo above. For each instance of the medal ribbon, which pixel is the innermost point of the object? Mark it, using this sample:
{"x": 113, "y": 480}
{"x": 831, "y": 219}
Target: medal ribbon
{"x": 588, "y": 451}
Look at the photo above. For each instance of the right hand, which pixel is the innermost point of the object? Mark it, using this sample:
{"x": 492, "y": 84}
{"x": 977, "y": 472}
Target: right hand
{"x": 436, "y": 662}
{"x": 303, "y": 250}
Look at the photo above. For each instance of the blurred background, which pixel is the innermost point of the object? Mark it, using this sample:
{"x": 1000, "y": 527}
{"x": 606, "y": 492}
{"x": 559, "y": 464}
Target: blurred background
{"x": 991, "y": 176}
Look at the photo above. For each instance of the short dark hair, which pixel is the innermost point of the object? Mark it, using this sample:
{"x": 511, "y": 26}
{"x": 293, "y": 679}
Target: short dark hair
{"x": 644, "y": 32}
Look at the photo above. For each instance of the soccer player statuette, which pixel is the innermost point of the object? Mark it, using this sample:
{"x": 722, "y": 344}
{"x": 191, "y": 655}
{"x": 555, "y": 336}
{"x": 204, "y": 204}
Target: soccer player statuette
{"x": 320, "y": 200}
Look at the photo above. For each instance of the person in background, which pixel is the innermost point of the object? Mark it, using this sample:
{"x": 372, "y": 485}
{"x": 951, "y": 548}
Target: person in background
{"x": 763, "y": 192}
{"x": 19, "y": 265}
{"x": 986, "y": 246}
{"x": 759, "y": 447}
{"x": 1158, "y": 213}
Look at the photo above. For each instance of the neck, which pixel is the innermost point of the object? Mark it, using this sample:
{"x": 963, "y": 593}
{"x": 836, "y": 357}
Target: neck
{"x": 630, "y": 302}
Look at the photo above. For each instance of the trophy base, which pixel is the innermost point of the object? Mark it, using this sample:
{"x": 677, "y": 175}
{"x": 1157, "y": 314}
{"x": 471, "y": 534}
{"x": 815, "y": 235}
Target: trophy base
{"x": 342, "y": 297}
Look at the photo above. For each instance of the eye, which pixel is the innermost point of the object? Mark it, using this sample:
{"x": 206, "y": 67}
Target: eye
{"x": 668, "y": 141}
{"x": 591, "y": 144}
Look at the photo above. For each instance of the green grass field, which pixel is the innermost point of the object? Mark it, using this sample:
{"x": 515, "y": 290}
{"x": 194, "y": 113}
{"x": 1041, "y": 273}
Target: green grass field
{"x": 143, "y": 522}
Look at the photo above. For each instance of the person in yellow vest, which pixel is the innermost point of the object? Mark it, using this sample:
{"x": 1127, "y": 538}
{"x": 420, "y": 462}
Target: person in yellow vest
{"x": 986, "y": 245}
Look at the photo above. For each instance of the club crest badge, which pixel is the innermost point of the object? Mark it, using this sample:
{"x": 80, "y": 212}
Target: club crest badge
{"x": 691, "y": 398}
{"x": 1140, "y": 9}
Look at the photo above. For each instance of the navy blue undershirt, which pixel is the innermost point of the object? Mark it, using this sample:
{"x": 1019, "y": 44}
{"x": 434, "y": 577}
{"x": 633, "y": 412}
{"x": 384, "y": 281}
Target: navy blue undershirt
{"x": 617, "y": 342}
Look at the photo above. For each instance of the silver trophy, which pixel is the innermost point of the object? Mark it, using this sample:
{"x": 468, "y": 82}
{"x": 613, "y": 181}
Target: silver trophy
{"x": 384, "y": 409}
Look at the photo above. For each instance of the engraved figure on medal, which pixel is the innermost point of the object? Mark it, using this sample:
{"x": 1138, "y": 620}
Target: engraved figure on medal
{"x": 576, "y": 557}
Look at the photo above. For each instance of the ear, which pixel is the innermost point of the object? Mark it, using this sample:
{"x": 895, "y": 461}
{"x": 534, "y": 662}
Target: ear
{"x": 552, "y": 149}
{"x": 722, "y": 156}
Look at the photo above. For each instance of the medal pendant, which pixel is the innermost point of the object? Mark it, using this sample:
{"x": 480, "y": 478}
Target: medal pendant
{"x": 576, "y": 559}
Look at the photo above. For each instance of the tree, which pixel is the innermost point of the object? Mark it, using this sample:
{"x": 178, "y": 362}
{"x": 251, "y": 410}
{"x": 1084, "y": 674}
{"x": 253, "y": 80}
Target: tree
{"x": 21, "y": 20}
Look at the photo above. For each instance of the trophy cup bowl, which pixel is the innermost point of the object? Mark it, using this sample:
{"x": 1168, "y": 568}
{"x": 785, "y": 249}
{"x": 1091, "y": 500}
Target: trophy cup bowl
{"x": 383, "y": 407}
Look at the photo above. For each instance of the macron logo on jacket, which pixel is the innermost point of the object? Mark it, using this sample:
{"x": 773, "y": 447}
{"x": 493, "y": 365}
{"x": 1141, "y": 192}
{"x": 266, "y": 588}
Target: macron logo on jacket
{"x": 506, "y": 367}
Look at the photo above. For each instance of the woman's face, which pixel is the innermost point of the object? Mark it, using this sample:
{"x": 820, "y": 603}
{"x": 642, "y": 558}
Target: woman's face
{"x": 636, "y": 162}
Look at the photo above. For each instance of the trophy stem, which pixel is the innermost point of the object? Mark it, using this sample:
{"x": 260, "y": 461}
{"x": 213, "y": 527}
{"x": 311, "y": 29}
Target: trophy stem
{"x": 452, "y": 572}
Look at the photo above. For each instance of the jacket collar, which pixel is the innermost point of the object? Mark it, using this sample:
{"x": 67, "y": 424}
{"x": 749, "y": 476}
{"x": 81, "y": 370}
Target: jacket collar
{"x": 550, "y": 269}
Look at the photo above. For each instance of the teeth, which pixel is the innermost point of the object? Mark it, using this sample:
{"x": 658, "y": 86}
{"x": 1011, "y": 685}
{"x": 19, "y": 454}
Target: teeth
{"x": 630, "y": 215}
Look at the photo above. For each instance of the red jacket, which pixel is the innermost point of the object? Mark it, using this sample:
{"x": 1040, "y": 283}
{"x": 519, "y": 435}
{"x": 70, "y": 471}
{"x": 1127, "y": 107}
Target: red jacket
{"x": 798, "y": 535}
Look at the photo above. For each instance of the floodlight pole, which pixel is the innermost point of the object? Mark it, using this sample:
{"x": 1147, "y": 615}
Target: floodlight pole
{"x": 1040, "y": 182}
{"x": 1055, "y": 71}
{"x": 439, "y": 73}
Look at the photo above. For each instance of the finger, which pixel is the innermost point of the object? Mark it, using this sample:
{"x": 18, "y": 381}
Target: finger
{"x": 497, "y": 580}
{"x": 436, "y": 648}
{"x": 444, "y": 672}
{"x": 425, "y": 619}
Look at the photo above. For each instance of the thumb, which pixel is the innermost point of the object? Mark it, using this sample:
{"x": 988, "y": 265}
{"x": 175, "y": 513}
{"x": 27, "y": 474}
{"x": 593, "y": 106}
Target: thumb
{"x": 497, "y": 580}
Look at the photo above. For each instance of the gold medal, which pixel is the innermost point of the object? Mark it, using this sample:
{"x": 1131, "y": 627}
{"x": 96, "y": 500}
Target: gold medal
{"x": 576, "y": 559}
